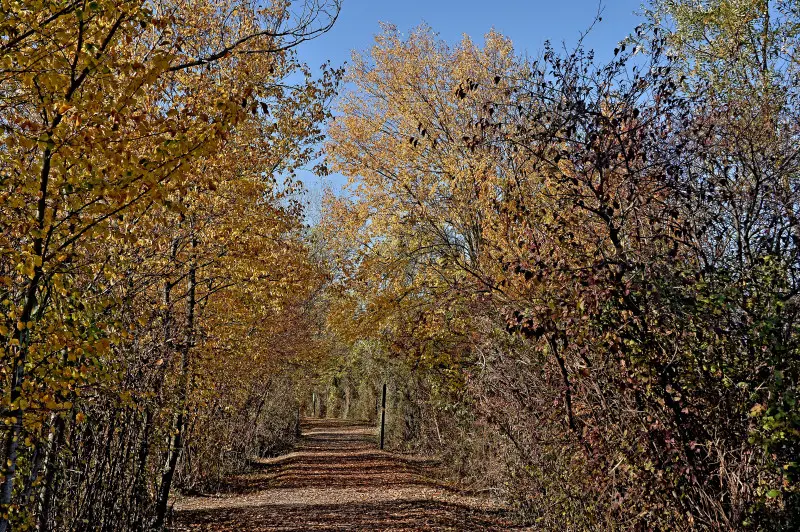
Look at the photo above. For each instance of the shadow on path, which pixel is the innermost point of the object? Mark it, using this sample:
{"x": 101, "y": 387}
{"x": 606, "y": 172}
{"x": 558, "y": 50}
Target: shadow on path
{"x": 336, "y": 479}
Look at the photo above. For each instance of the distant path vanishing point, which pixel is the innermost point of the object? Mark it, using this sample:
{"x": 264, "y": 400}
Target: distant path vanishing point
{"x": 336, "y": 479}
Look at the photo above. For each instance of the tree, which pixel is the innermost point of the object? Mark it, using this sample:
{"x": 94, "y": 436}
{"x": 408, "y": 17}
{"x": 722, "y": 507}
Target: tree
{"x": 558, "y": 235}
{"x": 109, "y": 109}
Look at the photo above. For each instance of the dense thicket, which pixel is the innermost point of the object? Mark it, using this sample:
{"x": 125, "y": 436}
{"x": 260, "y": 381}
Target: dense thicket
{"x": 588, "y": 272}
{"x": 154, "y": 276}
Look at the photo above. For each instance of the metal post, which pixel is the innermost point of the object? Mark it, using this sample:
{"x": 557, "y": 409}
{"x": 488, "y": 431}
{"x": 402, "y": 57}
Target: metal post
{"x": 383, "y": 413}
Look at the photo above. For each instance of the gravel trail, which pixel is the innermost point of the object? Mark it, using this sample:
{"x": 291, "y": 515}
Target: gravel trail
{"x": 336, "y": 479}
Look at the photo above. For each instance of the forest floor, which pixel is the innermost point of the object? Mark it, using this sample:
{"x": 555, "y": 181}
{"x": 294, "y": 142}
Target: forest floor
{"x": 337, "y": 479}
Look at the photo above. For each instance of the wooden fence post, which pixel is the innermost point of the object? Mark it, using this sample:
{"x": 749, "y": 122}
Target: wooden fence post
{"x": 383, "y": 414}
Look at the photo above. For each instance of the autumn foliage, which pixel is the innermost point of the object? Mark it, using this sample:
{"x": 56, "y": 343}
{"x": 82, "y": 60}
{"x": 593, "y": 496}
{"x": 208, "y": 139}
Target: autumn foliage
{"x": 152, "y": 260}
{"x": 578, "y": 278}
{"x": 589, "y": 269}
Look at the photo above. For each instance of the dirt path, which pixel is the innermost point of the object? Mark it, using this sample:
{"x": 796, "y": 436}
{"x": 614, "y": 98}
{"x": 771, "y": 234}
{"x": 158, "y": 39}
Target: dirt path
{"x": 337, "y": 480}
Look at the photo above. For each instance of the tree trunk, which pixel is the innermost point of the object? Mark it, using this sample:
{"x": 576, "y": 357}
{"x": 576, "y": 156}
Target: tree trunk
{"x": 56, "y": 439}
{"x": 177, "y": 439}
{"x": 23, "y": 338}
{"x": 347, "y": 397}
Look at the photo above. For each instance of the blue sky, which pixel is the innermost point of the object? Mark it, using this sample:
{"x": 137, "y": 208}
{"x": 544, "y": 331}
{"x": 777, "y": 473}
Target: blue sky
{"x": 528, "y": 23}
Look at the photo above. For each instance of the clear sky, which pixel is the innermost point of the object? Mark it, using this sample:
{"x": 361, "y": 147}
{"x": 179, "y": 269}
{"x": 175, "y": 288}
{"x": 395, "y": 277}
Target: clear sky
{"x": 528, "y": 23}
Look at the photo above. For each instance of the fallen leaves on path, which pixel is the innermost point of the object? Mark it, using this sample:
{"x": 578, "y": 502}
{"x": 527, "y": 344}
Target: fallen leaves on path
{"x": 338, "y": 480}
